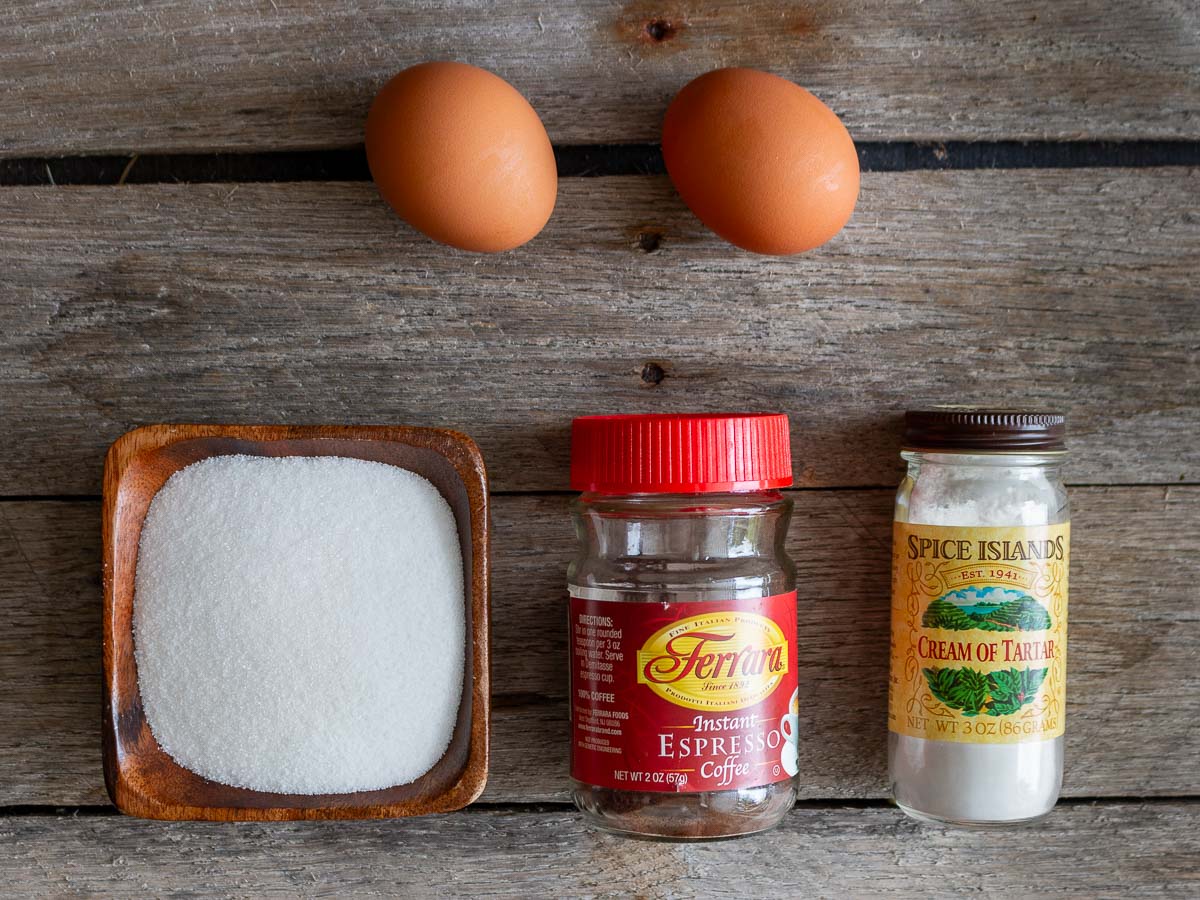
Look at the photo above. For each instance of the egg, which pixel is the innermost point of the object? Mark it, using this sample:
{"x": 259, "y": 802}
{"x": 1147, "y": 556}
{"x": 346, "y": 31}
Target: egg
{"x": 760, "y": 161}
{"x": 460, "y": 155}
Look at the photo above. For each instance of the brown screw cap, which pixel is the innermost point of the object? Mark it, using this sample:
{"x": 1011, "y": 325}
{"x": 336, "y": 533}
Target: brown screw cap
{"x": 957, "y": 428}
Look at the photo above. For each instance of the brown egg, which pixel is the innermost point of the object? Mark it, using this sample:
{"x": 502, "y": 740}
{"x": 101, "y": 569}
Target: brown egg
{"x": 462, "y": 156}
{"x": 761, "y": 161}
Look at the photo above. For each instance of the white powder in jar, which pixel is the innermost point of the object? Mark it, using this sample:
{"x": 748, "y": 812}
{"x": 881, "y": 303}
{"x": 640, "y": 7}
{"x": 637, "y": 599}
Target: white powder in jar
{"x": 300, "y": 623}
{"x": 978, "y": 783}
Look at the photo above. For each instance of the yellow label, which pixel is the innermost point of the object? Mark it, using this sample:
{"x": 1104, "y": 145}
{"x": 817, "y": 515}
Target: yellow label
{"x": 979, "y": 633}
{"x": 720, "y": 660}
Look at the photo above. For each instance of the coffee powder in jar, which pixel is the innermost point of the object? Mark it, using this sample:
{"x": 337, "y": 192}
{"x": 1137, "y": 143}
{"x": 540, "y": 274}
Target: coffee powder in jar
{"x": 682, "y": 627}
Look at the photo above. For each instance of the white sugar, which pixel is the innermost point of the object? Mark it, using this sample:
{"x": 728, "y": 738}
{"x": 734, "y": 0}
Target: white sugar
{"x": 299, "y": 623}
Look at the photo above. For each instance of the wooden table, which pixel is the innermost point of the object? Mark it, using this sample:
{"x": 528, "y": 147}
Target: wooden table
{"x": 212, "y": 253}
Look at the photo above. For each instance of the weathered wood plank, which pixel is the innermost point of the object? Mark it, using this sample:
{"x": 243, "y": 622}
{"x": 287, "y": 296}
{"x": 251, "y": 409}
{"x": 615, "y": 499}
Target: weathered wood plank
{"x": 1135, "y": 636}
{"x": 84, "y": 76}
{"x": 1082, "y": 850}
{"x": 313, "y": 303}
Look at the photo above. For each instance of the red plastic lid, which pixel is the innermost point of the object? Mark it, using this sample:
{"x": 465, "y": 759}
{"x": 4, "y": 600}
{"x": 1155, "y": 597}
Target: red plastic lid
{"x": 680, "y": 454}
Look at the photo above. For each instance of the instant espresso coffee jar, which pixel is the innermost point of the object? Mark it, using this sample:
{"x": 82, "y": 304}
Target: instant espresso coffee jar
{"x": 682, "y": 625}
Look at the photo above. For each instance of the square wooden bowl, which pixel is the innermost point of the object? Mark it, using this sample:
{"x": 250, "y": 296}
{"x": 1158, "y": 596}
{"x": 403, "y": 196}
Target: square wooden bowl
{"x": 141, "y": 778}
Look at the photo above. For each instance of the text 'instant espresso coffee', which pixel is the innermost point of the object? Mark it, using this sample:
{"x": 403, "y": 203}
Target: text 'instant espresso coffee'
{"x": 682, "y": 624}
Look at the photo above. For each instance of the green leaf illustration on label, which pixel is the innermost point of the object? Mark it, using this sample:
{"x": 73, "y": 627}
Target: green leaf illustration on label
{"x": 1013, "y": 688}
{"x": 988, "y": 609}
{"x": 974, "y": 693}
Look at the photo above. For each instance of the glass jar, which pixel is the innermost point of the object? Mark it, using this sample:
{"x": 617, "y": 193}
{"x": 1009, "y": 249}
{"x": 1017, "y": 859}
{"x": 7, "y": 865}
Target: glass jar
{"x": 979, "y": 615}
{"x": 682, "y": 625}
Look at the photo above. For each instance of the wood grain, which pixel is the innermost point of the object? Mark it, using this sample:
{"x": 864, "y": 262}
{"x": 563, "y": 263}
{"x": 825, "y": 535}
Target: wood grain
{"x": 85, "y": 76}
{"x": 1082, "y": 850}
{"x": 1134, "y": 687}
{"x": 309, "y": 303}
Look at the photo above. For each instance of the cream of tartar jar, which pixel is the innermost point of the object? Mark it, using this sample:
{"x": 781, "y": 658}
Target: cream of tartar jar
{"x": 682, "y": 627}
{"x": 981, "y": 553}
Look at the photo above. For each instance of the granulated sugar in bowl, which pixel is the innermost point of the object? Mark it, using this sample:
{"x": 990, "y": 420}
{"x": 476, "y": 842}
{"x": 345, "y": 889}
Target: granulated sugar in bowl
{"x": 299, "y": 623}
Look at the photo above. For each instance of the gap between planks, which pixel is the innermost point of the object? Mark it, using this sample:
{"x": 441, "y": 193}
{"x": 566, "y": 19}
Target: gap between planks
{"x": 350, "y": 164}
{"x": 107, "y": 810}
{"x": 792, "y": 491}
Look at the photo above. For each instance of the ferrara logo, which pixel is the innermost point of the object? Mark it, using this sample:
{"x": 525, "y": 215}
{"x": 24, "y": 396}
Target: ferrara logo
{"x": 718, "y": 661}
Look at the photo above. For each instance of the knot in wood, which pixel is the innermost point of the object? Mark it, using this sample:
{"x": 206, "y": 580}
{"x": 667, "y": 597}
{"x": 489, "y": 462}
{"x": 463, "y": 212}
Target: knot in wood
{"x": 659, "y": 30}
{"x": 648, "y": 241}
{"x": 653, "y": 373}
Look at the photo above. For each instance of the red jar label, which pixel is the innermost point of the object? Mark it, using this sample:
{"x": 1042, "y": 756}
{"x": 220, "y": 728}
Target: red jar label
{"x": 683, "y": 697}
